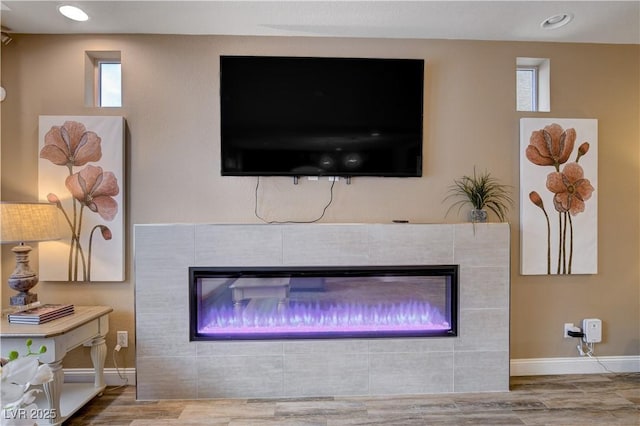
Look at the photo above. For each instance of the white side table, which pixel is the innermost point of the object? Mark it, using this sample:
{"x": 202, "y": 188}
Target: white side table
{"x": 88, "y": 325}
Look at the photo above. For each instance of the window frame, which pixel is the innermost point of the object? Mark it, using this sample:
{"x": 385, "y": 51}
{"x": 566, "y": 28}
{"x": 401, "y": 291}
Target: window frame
{"x": 541, "y": 83}
{"x": 93, "y": 78}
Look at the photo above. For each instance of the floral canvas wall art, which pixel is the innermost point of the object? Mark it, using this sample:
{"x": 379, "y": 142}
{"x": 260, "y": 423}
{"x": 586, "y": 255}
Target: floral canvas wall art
{"x": 558, "y": 196}
{"x": 81, "y": 170}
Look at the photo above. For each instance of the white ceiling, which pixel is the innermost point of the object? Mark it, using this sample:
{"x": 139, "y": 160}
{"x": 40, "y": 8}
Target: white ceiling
{"x": 594, "y": 21}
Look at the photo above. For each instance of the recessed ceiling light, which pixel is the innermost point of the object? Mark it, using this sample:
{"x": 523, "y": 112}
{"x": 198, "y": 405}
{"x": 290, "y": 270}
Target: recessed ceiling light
{"x": 73, "y": 12}
{"x": 557, "y": 21}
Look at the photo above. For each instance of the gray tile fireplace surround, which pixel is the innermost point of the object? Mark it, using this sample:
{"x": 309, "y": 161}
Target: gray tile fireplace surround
{"x": 169, "y": 366}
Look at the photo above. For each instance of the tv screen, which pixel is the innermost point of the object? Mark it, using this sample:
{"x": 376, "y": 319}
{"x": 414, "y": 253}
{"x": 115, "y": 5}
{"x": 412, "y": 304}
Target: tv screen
{"x": 302, "y": 116}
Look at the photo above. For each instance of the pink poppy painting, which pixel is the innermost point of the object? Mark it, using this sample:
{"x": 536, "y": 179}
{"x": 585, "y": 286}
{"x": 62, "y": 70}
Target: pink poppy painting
{"x": 558, "y": 196}
{"x": 81, "y": 170}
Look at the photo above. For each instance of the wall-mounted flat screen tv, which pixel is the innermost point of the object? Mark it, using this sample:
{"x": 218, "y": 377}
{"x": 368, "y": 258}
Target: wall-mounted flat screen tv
{"x": 304, "y": 116}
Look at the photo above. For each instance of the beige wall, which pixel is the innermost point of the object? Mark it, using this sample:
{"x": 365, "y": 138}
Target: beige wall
{"x": 171, "y": 105}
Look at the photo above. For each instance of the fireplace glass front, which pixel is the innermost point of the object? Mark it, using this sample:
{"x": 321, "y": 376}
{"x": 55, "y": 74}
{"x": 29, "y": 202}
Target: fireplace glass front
{"x": 255, "y": 303}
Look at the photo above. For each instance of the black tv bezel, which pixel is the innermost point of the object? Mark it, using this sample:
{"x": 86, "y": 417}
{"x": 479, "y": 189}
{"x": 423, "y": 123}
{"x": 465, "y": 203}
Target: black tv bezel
{"x": 419, "y": 166}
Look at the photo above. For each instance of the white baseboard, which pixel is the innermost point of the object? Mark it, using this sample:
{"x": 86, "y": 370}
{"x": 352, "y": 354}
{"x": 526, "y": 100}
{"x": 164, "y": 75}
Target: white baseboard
{"x": 519, "y": 367}
{"x": 111, "y": 376}
{"x": 575, "y": 365}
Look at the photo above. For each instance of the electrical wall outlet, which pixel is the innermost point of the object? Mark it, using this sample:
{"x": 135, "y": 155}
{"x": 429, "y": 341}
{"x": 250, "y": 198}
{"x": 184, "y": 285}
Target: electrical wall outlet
{"x": 568, "y": 326}
{"x": 123, "y": 339}
{"x": 592, "y": 328}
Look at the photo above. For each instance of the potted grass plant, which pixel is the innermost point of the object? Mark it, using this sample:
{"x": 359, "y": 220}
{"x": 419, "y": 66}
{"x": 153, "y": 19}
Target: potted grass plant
{"x": 482, "y": 192}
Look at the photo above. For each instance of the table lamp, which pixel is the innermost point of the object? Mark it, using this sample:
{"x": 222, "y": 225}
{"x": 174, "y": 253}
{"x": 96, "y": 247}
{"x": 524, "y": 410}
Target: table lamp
{"x": 20, "y": 223}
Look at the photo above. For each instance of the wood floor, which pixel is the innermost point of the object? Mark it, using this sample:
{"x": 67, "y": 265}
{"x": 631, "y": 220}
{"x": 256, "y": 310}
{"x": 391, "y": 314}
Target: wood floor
{"x": 605, "y": 399}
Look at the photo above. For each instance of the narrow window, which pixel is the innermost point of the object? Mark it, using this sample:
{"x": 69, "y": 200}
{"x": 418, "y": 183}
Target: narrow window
{"x": 103, "y": 79}
{"x": 110, "y": 82}
{"x": 533, "y": 84}
{"x": 527, "y": 80}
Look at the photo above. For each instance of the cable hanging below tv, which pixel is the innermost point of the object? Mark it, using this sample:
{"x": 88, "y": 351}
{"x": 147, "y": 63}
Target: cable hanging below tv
{"x": 319, "y": 116}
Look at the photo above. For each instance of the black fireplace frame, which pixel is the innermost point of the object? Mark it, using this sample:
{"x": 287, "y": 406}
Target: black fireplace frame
{"x": 196, "y": 272}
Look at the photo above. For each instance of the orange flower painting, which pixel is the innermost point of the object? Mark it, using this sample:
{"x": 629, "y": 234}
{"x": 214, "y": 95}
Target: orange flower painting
{"x": 558, "y": 191}
{"x": 571, "y": 189}
{"x": 71, "y": 145}
{"x": 550, "y": 146}
{"x": 81, "y": 171}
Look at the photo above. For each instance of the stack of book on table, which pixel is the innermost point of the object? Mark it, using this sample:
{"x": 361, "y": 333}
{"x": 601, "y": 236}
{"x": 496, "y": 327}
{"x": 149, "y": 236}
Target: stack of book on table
{"x": 41, "y": 314}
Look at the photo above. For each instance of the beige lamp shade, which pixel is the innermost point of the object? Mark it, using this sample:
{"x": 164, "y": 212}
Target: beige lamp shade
{"x": 24, "y": 222}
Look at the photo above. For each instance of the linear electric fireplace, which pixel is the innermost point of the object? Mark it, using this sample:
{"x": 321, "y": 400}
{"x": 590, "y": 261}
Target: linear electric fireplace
{"x": 262, "y": 303}
{"x": 475, "y": 360}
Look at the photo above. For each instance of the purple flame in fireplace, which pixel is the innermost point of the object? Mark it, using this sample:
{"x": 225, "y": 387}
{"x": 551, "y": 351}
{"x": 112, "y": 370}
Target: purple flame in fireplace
{"x": 272, "y": 316}
{"x": 330, "y": 302}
